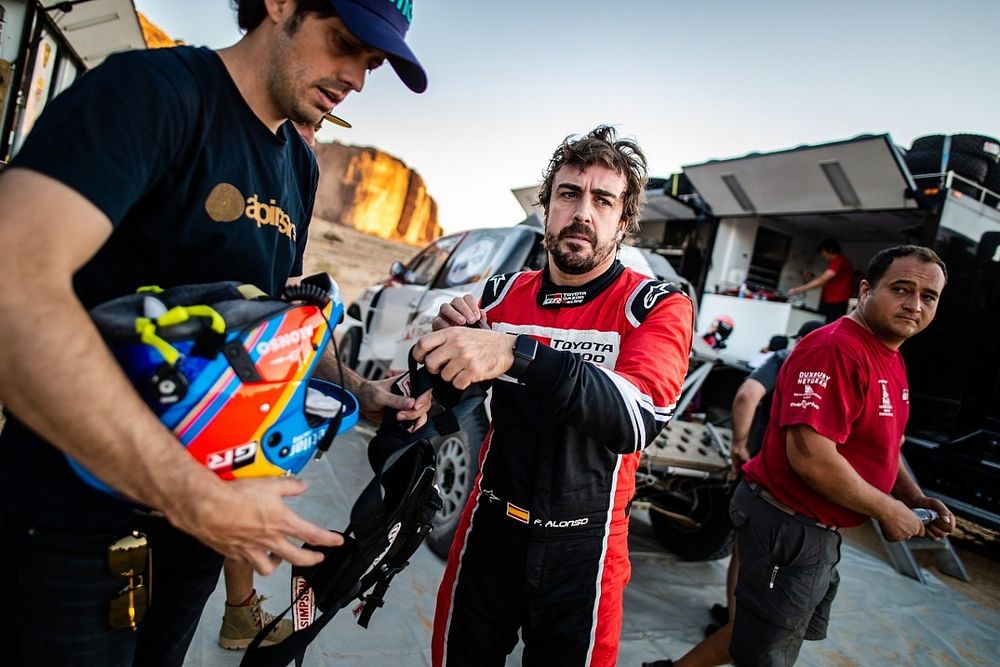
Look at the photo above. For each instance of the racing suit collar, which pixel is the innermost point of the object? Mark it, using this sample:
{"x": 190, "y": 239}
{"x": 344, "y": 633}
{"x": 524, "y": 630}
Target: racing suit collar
{"x": 551, "y": 295}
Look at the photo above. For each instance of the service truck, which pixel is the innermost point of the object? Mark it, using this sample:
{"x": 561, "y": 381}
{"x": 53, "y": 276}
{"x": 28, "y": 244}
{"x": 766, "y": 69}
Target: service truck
{"x": 750, "y": 226}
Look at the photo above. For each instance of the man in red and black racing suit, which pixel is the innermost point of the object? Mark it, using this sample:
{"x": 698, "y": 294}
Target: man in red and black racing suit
{"x": 541, "y": 547}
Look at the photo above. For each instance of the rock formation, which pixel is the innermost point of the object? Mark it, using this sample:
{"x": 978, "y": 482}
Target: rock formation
{"x": 155, "y": 37}
{"x": 364, "y": 188}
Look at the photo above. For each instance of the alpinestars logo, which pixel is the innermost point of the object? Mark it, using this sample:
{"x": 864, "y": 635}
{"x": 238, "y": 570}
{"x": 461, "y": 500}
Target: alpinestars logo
{"x": 564, "y": 299}
{"x": 654, "y": 295}
{"x": 496, "y": 282}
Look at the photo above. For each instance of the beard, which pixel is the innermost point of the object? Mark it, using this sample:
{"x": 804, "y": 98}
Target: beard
{"x": 285, "y": 83}
{"x": 577, "y": 262}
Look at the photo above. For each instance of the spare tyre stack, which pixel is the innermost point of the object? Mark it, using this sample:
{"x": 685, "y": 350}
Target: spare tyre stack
{"x": 971, "y": 156}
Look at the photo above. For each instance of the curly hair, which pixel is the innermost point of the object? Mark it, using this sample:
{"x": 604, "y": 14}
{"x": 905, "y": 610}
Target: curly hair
{"x": 603, "y": 147}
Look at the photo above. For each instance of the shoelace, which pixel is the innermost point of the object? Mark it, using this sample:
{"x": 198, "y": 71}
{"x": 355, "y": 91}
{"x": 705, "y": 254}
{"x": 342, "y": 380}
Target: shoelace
{"x": 260, "y": 615}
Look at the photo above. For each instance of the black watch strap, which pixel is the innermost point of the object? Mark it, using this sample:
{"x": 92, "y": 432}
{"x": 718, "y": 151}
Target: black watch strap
{"x": 525, "y": 348}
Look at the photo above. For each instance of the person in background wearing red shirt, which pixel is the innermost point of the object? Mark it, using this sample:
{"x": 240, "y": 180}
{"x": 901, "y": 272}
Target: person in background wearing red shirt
{"x": 831, "y": 459}
{"x": 835, "y": 281}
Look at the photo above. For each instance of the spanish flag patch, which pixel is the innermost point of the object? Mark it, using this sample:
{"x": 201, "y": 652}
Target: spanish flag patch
{"x": 515, "y": 512}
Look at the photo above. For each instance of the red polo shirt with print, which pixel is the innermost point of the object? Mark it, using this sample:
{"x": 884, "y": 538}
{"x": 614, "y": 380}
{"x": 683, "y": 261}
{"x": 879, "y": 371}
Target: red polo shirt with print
{"x": 846, "y": 385}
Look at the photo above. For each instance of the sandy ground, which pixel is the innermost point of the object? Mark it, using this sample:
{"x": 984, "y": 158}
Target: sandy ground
{"x": 354, "y": 259}
{"x": 879, "y": 618}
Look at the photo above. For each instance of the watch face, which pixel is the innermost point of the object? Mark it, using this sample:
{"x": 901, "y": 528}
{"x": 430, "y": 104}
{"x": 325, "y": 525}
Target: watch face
{"x": 525, "y": 347}
{"x": 524, "y": 353}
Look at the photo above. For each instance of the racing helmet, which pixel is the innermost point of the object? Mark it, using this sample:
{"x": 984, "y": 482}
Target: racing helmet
{"x": 721, "y": 328}
{"x": 229, "y": 371}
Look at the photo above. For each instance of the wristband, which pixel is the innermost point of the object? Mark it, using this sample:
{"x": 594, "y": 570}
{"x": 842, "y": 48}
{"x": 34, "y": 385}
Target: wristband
{"x": 525, "y": 348}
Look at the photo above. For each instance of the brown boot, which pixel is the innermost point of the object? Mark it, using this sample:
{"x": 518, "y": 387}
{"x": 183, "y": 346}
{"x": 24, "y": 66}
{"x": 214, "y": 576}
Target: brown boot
{"x": 240, "y": 624}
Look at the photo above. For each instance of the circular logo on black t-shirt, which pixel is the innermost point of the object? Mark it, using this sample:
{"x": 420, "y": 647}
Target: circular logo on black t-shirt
{"x": 225, "y": 203}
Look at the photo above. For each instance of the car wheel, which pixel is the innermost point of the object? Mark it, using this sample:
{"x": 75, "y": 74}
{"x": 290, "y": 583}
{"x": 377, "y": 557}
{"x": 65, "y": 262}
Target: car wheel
{"x": 348, "y": 346}
{"x": 708, "y": 537}
{"x": 457, "y": 467}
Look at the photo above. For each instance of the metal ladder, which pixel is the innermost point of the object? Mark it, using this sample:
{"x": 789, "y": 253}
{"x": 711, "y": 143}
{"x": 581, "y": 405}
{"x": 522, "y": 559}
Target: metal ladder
{"x": 901, "y": 553}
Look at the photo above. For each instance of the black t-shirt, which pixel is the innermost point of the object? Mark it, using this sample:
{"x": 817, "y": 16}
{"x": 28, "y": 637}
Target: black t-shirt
{"x": 197, "y": 187}
{"x": 198, "y": 190}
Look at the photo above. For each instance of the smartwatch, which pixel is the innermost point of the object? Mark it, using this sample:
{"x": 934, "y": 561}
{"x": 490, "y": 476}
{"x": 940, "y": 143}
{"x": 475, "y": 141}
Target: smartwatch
{"x": 525, "y": 348}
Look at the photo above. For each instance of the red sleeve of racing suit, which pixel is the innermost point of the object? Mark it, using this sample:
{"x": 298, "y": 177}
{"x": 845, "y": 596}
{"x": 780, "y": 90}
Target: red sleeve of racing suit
{"x": 627, "y": 407}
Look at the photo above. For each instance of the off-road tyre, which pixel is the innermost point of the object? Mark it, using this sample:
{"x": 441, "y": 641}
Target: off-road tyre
{"x": 929, "y": 162}
{"x": 712, "y": 540}
{"x": 975, "y": 145}
{"x": 457, "y": 467}
{"x": 931, "y": 143}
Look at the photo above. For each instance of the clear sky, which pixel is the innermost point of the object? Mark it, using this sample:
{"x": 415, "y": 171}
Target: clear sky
{"x": 691, "y": 81}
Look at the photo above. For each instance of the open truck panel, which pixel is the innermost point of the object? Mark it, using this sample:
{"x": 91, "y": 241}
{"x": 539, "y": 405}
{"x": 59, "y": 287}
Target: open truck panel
{"x": 765, "y": 214}
{"x": 44, "y": 47}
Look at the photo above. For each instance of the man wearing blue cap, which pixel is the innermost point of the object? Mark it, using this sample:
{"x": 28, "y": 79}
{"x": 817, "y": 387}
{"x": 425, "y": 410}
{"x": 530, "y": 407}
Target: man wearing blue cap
{"x": 167, "y": 167}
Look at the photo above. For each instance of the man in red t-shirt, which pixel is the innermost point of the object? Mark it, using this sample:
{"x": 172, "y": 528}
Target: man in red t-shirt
{"x": 830, "y": 459}
{"x": 835, "y": 281}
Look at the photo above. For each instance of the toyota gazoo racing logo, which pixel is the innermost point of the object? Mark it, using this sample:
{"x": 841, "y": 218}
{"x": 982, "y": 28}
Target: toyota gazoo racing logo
{"x": 597, "y": 351}
{"x": 296, "y": 337}
{"x": 233, "y": 458}
{"x": 564, "y": 298}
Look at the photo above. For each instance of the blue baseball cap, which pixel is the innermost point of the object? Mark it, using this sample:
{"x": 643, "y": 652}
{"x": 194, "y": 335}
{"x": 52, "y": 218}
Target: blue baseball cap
{"x": 382, "y": 25}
